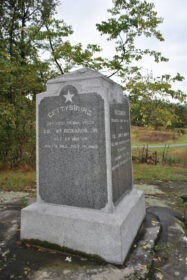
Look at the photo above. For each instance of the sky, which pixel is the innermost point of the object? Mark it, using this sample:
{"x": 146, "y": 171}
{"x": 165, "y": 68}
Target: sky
{"x": 84, "y": 14}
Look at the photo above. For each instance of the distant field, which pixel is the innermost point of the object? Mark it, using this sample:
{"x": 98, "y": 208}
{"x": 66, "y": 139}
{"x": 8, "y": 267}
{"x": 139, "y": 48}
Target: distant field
{"x": 173, "y": 156}
{"x": 144, "y": 135}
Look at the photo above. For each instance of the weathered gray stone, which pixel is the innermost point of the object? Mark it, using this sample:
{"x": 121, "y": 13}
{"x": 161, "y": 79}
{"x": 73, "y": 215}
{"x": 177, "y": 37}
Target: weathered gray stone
{"x": 72, "y": 165}
{"x": 107, "y": 235}
{"x": 85, "y": 199}
{"x": 120, "y": 149}
{"x": 84, "y": 147}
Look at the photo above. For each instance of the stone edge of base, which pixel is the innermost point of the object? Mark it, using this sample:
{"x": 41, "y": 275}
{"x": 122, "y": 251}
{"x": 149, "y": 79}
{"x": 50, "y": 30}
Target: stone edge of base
{"x": 106, "y": 235}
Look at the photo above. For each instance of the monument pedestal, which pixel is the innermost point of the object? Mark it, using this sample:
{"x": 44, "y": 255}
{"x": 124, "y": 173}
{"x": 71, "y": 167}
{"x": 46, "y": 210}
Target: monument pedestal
{"x": 94, "y": 232}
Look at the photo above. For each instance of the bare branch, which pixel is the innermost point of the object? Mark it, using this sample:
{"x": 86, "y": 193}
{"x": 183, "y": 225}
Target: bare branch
{"x": 53, "y": 51}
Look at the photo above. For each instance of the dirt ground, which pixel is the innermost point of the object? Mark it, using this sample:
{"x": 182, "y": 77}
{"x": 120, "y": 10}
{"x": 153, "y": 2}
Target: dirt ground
{"x": 166, "y": 258}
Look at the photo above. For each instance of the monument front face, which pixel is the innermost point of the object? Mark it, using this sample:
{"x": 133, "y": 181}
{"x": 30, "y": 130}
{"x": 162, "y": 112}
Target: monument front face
{"x": 71, "y": 146}
{"x": 120, "y": 149}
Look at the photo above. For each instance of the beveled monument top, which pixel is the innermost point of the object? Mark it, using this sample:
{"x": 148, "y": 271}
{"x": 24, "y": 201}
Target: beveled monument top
{"x": 81, "y": 74}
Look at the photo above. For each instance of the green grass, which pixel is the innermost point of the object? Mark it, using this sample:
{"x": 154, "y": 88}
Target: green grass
{"x": 152, "y": 173}
{"x": 184, "y": 138}
{"x": 25, "y": 181}
{"x": 17, "y": 180}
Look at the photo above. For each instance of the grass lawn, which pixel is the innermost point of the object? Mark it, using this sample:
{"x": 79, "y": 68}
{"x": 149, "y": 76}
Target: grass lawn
{"x": 17, "y": 180}
{"x": 20, "y": 180}
{"x": 184, "y": 137}
{"x": 152, "y": 173}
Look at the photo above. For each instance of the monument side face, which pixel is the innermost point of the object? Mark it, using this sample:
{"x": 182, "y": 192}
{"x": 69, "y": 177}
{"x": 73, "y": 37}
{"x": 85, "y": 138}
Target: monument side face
{"x": 72, "y": 156}
{"x": 120, "y": 149}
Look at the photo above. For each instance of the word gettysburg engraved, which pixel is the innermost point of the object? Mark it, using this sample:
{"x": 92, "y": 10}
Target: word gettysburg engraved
{"x": 74, "y": 108}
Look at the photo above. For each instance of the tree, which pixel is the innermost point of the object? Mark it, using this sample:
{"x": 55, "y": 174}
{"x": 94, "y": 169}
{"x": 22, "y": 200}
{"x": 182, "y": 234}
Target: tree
{"x": 63, "y": 56}
{"x": 28, "y": 28}
{"x": 151, "y": 96}
{"x": 130, "y": 19}
{"x": 22, "y": 76}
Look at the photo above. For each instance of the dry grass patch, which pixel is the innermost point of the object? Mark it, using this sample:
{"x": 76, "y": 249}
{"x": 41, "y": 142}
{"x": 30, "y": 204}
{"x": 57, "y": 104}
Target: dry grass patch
{"x": 148, "y": 135}
{"x": 180, "y": 154}
{"x": 18, "y": 180}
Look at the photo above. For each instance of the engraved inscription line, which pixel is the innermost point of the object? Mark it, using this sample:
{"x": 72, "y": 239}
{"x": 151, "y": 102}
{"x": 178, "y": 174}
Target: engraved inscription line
{"x": 121, "y": 163}
{"x": 74, "y": 108}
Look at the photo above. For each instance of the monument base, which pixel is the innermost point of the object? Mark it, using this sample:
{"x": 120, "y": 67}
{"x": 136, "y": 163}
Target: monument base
{"x": 94, "y": 232}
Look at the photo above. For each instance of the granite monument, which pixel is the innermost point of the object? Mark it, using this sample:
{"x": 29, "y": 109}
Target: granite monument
{"x": 85, "y": 199}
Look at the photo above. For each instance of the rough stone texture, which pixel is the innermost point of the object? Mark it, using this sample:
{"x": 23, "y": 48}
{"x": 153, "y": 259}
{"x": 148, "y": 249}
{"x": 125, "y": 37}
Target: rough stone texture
{"x": 72, "y": 166}
{"x": 23, "y": 262}
{"x": 120, "y": 149}
{"x": 84, "y": 168}
{"x": 13, "y": 197}
{"x": 83, "y": 141}
{"x": 29, "y": 262}
{"x": 106, "y": 235}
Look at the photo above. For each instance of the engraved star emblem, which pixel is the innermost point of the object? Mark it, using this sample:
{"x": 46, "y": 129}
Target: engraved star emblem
{"x": 68, "y": 97}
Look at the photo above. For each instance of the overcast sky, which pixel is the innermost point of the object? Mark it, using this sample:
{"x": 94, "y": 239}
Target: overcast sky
{"x": 84, "y": 14}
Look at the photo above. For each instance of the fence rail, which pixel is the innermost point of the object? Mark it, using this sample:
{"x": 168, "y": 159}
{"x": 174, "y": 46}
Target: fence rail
{"x": 161, "y": 146}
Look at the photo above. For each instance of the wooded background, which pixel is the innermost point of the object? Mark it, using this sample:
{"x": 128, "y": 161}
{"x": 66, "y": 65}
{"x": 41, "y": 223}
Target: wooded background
{"x": 29, "y": 29}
